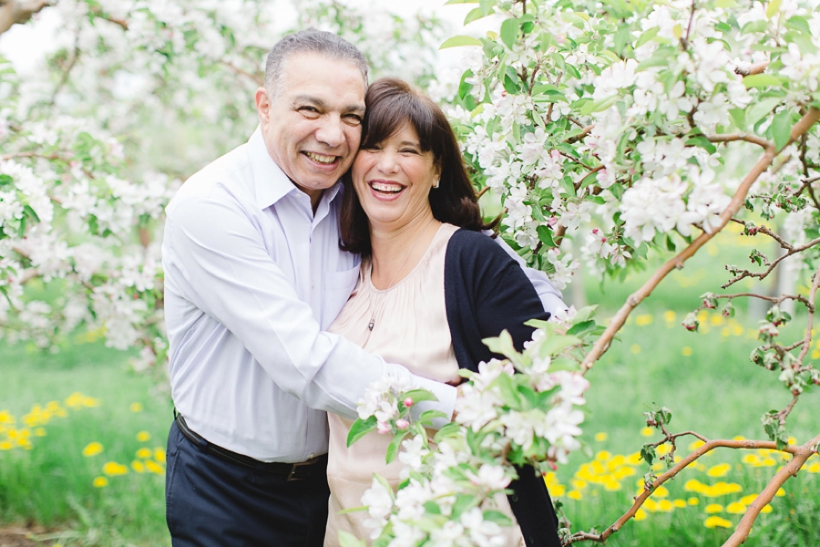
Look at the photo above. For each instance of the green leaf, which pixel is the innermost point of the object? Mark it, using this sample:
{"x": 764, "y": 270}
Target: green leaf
{"x": 446, "y": 431}
{"x": 474, "y": 15}
{"x": 360, "y": 428}
{"x": 702, "y": 142}
{"x": 558, "y": 343}
{"x": 509, "y": 32}
{"x": 580, "y": 328}
{"x": 508, "y": 391}
{"x": 5, "y": 180}
{"x": 353, "y": 510}
{"x": 773, "y": 8}
{"x": 502, "y": 344}
{"x": 545, "y": 236}
{"x": 393, "y": 447}
{"x": 430, "y": 415}
{"x": 599, "y": 105}
{"x": 464, "y": 502}
{"x": 762, "y": 80}
{"x": 646, "y": 36}
{"x": 739, "y": 117}
{"x": 419, "y": 395}
{"x": 432, "y": 508}
{"x": 756, "y": 111}
{"x": 346, "y": 539}
{"x": 459, "y": 41}
{"x": 798, "y": 23}
{"x": 781, "y": 129}
{"x": 498, "y": 517}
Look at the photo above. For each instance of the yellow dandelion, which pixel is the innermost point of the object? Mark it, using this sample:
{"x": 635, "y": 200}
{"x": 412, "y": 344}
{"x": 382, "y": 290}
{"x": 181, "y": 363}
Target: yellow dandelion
{"x": 717, "y": 319}
{"x": 557, "y": 490}
{"x": 144, "y": 453}
{"x": 635, "y": 457}
{"x": 663, "y": 450}
{"x": 736, "y": 508}
{"x": 751, "y": 459}
{"x": 766, "y": 509}
{"x": 92, "y": 449}
{"x": 717, "y": 522}
{"x": 135, "y": 407}
{"x": 6, "y": 417}
{"x": 813, "y": 467}
{"x": 747, "y": 500}
{"x": 686, "y": 351}
{"x": 650, "y": 505}
{"x": 694, "y": 445}
{"x": 100, "y": 482}
{"x": 113, "y": 469}
{"x": 137, "y": 466}
{"x": 640, "y": 514}
{"x": 610, "y": 484}
{"x": 768, "y": 462}
{"x": 738, "y": 438}
{"x": 694, "y": 485}
{"x": 714, "y": 508}
{"x": 574, "y": 494}
{"x": 40, "y": 431}
{"x": 600, "y": 437}
{"x": 578, "y": 484}
{"x": 159, "y": 454}
{"x": 644, "y": 320}
{"x": 792, "y": 440}
{"x": 143, "y": 436}
{"x": 693, "y": 501}
{"x": 679, "y": 503}
{"x": 665, "y": 506}
{"x": 636, "y": 349}
{"x": 647, "y": 431}
{"x": 660, "y": 492}
{"x": 719, "y": 470}
{"x": 669, "y": 316}
{"x": 154, "y": 467}
{"x": 603, "y": 456}
{"x": 6, "y": 445}
{"x": 780, "y": 492}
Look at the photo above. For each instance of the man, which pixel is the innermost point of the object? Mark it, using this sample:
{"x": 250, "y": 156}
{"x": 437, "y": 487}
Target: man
{"x": 253, "y": 276}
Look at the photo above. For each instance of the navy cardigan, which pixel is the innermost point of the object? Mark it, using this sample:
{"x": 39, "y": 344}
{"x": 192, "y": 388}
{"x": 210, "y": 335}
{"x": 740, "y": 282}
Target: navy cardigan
{"x": 485, "y": 292}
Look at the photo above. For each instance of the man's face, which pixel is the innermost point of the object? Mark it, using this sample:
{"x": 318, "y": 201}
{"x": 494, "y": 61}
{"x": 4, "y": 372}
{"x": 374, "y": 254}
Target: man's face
{"x": 312, "y": 127}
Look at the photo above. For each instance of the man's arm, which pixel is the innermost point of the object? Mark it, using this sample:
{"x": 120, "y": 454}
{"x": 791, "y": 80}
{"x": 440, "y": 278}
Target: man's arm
{"x": 550, "y": 296}
{"x": 229, "y": 275}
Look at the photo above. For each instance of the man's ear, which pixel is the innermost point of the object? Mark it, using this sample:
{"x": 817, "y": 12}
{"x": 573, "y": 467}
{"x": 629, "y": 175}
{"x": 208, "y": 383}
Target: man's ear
{"x": 262, "y": 105}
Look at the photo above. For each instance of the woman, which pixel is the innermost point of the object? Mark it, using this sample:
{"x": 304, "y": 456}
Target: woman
{"x": 431, "y": 287}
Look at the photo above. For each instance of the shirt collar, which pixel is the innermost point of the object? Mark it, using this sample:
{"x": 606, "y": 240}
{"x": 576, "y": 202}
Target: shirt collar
{"x": 272, "y": 184}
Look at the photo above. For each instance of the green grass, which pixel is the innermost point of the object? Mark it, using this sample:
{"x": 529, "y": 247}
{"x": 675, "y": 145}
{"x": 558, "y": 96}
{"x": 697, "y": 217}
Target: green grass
{"x": 52, "y": 483}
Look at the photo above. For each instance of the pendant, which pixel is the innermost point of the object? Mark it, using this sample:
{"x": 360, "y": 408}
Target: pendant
{"x": 370, "y": 325}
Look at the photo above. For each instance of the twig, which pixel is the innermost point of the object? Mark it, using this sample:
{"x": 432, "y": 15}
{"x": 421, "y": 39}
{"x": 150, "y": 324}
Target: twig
{"x": 790, "y": 250}
{"x": 802, "y": 454}
{"x": 482, "y": 192}
{"x": 678, "y": 261}
{"x": 584, "y": 132}
{"x": 685, "y": 41}
{"x": 740, "y": 137}
{"x": 757, "y": 68}
{"x": 809, "y": 322}
{"x": 773, "y": 299}
{"x": 260, "y": 81}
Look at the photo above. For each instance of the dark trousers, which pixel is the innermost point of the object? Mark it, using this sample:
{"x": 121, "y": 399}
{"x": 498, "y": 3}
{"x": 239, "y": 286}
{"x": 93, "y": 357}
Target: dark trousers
{"x": 214, "y": 503}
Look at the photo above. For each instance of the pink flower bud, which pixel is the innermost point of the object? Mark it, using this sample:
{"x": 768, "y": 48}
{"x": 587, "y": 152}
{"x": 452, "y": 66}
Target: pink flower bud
{"x": 408, "y": 402}
{"x": 402, "y": 424}
{"x": 383, "y": 428}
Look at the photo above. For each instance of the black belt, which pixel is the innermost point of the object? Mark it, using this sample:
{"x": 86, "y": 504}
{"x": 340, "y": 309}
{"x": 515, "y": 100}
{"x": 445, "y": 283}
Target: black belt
{"x": 293, "y": 471}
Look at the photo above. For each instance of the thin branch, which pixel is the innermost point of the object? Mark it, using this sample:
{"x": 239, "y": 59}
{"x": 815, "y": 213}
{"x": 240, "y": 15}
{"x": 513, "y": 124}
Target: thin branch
{"x": 685, "y": 41}
{"x": 773, "y": 299}
{"x": 51, "y": 157}
{"x": 809, "y": 322}
{"x": 800, "y": 453}
{"x": 802, "y": 126}
{"x": 75, "y": 54}
{"x": 258, "y": 80}
{"x": 790, "y": 250}
{"x": 740, "y": 137}
{"x": 482, "y": 192}
{"x": 584, "y": 132}
{"x": 758, "y": 68}
{"x": 811, "y": 180}
{"x": 18, "y": 12}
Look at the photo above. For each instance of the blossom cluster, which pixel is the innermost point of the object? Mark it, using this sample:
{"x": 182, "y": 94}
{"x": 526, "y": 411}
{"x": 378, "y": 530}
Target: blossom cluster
{"x": 520, "y": 410}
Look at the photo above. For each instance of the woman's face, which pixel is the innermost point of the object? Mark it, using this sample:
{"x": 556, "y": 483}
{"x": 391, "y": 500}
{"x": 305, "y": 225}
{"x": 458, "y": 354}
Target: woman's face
{"x": 393, "y": 179}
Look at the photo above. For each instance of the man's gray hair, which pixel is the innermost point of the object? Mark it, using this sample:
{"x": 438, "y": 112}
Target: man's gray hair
{"x": 310, "y": 41}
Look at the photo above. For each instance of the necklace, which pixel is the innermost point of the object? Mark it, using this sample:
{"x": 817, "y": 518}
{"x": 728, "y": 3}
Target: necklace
{"x": 372, "y": 322}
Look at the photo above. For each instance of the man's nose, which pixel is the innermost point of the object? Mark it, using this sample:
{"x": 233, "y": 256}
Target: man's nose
{"x": 331, "y": 132}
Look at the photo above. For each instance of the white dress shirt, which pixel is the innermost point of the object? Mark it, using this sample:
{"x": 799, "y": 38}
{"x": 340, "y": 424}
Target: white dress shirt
{"x": 253, "y": 278}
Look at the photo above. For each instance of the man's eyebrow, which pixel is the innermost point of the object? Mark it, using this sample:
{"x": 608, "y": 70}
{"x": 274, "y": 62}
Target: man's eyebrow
{"x": 308, "y": 99}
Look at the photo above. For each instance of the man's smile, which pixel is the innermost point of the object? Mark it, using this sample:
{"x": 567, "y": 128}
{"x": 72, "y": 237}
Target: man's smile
{"x": 321, "y": 158}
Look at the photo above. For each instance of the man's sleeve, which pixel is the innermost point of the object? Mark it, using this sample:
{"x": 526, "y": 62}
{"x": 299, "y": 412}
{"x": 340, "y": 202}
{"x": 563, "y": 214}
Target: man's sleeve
{"x": 550, "y": 296}
{"x": 229, "y": 275}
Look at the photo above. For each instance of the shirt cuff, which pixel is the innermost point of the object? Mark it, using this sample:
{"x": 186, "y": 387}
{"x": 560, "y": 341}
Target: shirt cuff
{"x": 446, "y": 395}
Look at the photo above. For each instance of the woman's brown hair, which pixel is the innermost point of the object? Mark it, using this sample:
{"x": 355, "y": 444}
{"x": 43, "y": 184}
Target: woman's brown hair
{"x": 391, "y": 102}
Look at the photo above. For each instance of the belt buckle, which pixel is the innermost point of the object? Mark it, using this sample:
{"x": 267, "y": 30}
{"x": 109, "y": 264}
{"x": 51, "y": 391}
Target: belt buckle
{"x": 293, "y": 469}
